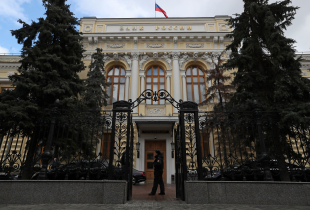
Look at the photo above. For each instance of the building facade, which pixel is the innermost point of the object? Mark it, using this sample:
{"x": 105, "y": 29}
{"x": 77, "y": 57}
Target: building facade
{"x": 151, "y": 53}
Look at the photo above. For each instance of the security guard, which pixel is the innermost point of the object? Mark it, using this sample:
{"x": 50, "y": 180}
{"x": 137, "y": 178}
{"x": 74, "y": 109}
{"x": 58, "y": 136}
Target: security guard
{"x": 158, "y": 174}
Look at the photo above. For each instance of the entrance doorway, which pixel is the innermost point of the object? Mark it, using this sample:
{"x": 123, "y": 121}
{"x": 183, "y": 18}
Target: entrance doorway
{"x": 150, "y": 147}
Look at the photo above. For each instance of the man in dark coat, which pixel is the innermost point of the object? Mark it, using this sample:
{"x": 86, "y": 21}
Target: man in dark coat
{"x": 55, "y": 163}
{"x": 158, "y": 174}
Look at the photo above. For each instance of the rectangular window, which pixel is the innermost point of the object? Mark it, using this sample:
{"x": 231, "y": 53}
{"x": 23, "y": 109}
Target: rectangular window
{"x": 189, "y": 93}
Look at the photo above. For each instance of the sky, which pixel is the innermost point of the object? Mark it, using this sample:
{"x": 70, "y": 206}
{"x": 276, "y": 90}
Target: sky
{"x": 28, "y": 10}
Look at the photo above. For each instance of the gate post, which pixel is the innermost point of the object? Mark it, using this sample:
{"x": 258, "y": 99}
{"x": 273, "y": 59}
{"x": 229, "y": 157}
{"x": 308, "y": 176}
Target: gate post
{"x": 189, "y": 107}
{"x": 121, "y": 120}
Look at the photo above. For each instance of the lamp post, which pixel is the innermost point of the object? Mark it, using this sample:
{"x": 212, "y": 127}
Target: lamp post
{"x": 172, "y": 149}
{"x": 138, "y": 149}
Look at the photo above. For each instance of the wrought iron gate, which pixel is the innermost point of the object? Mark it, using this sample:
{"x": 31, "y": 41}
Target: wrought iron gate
{"x": 188, "y": 161}
{"x": 121, "y": 147}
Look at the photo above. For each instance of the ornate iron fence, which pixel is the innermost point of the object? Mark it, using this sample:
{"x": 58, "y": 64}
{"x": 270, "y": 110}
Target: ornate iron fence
{"x": 75, "y": 145}
{"x": 253, "y": 146}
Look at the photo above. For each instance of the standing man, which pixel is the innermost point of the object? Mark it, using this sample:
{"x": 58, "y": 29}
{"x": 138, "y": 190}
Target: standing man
{"x": 158, "y": 174}
{"x": 55, "y": 163}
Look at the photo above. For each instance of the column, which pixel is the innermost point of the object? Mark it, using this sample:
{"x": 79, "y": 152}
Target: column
{"x": 142, "y": 85}
{"x": 168, "y": 84}
{"x": 176, "y": 78}
{"x": 134, "y": 78}
{"x": 127, "y": 87}
{"x": 184, "y": 87}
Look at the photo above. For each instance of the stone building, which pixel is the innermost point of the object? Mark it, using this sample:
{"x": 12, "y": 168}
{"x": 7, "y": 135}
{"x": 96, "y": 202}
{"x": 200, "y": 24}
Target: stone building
{"x": 151, "y": 53}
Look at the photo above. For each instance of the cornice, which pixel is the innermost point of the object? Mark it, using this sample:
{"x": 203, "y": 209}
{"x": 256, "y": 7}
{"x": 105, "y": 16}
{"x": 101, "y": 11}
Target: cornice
{"x": 154, "y": 20}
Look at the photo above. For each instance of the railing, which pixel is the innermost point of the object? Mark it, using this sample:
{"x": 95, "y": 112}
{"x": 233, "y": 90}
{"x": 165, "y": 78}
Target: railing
{"x": 79, "y": 147}
{"x": 253, "y": 146}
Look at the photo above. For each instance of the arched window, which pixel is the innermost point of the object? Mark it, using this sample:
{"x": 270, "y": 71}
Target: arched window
{"x": 195, "y": 84}
{"x": 155, "y": 80}
{"x": 116, "y": 81}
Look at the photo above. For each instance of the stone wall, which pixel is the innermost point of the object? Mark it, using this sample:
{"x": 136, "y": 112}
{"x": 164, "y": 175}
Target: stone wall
{"x": 62, "y": 192}
{"x": 260, "y": 193}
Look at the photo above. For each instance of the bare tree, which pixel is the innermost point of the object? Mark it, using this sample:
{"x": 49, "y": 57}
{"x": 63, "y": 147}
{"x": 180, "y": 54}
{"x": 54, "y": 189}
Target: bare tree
{"x": 219, "y": 88}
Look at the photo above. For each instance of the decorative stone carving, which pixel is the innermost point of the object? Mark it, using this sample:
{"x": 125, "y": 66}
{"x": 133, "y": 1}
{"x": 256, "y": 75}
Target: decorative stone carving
{"x": 106, "y": 58}
{"x": 90, "y": 39}
{"x": 135, "y": 55}
{"x": 10, "y": 60}
{"x": 127, "y": 59}
{"x": 303, "y": 73}
{"x": 155, "y": 111}
{"x": 115, "y": 56}
{"x": 135, "y": 40}
{"x": 155, "y": 45}
{"x": 88, "y": 28}
{"x": 195, "y": 56}
{"x": 87, "y": 57}
{"x": 175, "y": 55}
{"x": 167, "y": 59}
{"x": 113, "y": 46}
{"x": 183, "y": 59}
{"x": 221, "y": 39}
{"x": 10, "y": 73}
{"x": 195, "y": 45}
{"x": 143, "y": 59}
{"x": 206, "y": 58}
{"x": 155, "y": 56}
{"x": 95, "y": 39}
{"x": 175, "y": 39}
{"x": 215, "y": 39}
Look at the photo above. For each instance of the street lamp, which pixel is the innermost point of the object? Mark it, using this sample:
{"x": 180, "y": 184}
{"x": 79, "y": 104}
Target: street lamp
{"x": 138, "y": 148}
{"x": 172, "y": 149}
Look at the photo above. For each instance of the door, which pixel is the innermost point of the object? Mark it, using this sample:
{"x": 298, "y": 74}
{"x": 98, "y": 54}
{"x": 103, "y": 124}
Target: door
{"x": 150, "y": 147}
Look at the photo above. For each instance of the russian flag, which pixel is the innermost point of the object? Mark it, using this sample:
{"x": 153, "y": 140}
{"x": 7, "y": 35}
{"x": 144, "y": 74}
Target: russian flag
{"x": 157, "y": 8}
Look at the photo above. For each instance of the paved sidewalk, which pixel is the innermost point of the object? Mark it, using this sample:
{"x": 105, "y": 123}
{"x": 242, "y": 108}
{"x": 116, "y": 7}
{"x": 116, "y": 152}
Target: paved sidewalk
{"x": 141, "y": 200}
{"x": 145, "y": 205}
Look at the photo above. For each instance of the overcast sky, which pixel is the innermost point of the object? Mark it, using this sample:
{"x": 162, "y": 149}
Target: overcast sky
{"x": 27, "y": 10}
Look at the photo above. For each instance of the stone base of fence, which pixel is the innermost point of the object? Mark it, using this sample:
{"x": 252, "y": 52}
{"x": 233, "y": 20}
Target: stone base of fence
{"x": 260, "y": 193}
{"x": 63, "y": 192}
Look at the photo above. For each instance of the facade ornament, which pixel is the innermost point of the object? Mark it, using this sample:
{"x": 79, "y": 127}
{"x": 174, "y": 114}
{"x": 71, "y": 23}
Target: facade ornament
{"x": 87, "y": 57}
{"x": 143, "y": 59}
{"x": 155, "y": 45}
{"x": 221, "y": 39}
{"x": 115, "y": 56}
{"x": 135, "y": 41}
{"x": 106, "y": 58}
{"x": 135, "y": 55}
{"x": 10, "y": 60}
{"x": 215, "y": 39}
{"x": 195, "y": 56}
{"x": 127, "y": 59}
{"x": 155, "y": 56}
{"x": 167, "y": 59}
{"x": 113, "y": 46}
{"x": 90, "y": 39}
{"x": 183, "y": 59}
{"x": 95, "y": 39}
{"x": 155, "y": 111}
{"x": 206, "y": 58}
{"x": 175, "y": 55}
{"x": 10, "y": 74}
{"x": 175, "y": 39}
{"x": 195, "y": 45}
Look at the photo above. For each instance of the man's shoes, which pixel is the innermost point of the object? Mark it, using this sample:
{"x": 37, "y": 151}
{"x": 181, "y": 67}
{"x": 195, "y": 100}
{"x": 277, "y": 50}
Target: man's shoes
{"x": 151, "y": 193}
{"x": 161, "y": 193}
